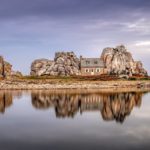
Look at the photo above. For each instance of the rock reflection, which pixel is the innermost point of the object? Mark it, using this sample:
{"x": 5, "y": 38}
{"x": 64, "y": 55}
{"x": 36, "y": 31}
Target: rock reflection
{"x": 6, "y": 99}
{"x": 113, "y": 106}
{"x": 118, "y": 106}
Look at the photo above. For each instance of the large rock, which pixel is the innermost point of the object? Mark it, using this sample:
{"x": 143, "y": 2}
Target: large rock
{"x": 119, "y": 61}
{"x": 5, "y": 68}
{"x": 1, "y": 66}
{"x": 16, "y": 74}
{"x": 64, "y": 64}
{"x": 40, "y": 66}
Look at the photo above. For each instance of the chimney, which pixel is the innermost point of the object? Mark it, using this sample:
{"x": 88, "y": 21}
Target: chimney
{"x": 81, "y": 57}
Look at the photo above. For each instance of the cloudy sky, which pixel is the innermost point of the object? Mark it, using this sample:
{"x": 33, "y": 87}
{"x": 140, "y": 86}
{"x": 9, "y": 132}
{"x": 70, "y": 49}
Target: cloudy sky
{"x": 31, "y": 29}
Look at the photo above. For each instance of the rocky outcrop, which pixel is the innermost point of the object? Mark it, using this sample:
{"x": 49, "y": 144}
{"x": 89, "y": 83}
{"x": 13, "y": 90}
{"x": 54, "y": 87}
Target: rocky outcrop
{"x": 16, "y": 74}
{"x": 1, "y": 66}
{"x": 40, "y": 67}
{"x": 120, "y": 62}
{"x": 64, "y": 64}
{"x": 5, "y": 68}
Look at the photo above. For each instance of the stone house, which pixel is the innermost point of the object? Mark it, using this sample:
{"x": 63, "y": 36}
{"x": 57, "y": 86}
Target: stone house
{"x": 91, "y": 66}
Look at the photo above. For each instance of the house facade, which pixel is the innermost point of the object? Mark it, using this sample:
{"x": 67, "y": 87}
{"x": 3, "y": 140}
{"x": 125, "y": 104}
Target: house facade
{"x": 91, "y": 66}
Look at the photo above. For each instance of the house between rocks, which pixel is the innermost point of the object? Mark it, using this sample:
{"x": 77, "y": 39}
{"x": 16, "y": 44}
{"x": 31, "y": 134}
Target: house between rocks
{"x": 113, "y": 61}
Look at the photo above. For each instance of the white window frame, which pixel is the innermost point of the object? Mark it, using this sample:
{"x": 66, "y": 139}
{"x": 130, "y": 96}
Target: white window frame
{"x": 97, "y": 69}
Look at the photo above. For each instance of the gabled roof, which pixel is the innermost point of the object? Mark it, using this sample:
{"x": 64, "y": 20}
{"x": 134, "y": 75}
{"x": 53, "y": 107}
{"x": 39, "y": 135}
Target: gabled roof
{"x": 92, "y": 62}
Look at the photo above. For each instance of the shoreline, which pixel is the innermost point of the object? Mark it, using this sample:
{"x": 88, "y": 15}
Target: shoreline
{"x": 60, "y": 85}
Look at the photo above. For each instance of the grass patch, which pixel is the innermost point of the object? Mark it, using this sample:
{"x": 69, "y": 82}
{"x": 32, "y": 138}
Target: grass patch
{"x": 82, "y": 78}
{"x": 132, "y": 79}
{"x": 139, "y": 78}
{"x": 73, "y": 78}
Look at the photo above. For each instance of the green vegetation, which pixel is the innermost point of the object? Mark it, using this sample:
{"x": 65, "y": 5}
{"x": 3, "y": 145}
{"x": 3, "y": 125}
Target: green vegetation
{"x": 78, "y": 78}
{"x": 84, "y": 78}
{"x": 139, "y": 78}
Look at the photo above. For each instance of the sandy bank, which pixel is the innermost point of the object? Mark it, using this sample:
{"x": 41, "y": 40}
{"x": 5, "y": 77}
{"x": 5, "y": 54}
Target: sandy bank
{"x": 59, "y": 84}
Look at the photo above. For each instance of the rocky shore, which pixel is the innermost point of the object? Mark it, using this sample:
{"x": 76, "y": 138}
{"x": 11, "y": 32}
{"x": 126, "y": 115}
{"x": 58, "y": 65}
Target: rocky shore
{"x": 60, "y": 84}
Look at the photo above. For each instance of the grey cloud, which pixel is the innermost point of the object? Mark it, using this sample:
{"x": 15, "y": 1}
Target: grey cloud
{"x": 10, "y": 9}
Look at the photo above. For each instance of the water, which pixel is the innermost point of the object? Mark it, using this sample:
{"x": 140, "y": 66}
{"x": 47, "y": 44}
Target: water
{"x": 36, "y": 120}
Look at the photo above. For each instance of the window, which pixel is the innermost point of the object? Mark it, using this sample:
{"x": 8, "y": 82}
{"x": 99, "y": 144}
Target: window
{"x": 87, "y": 62}
{"x": 95, "y": 62}
{"x": 97, "y": 70}
{"x": 86, "y": 70}
{"x": 92, "y": 70}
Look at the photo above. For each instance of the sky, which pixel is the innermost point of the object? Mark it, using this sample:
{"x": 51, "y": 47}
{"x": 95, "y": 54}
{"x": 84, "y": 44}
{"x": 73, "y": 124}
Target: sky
{"x": 33, "y": 29}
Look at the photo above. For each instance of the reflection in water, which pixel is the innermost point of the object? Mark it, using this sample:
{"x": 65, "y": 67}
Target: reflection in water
{"x": 6, "y": 99}
{"x": 113, "y": 106}
{"x": 24, "y": 127}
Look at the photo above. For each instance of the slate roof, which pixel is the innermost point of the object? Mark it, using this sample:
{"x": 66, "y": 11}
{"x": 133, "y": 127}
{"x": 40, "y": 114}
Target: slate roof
{"x": 92, "y": 62}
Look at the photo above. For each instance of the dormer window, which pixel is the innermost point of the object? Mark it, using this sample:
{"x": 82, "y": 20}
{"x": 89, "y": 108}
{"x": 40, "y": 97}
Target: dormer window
{"x": 87, "y": 62}
{"x": 95, "y": 62}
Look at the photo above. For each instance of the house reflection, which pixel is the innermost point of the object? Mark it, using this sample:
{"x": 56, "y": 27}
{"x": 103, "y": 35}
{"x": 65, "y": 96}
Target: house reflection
{"x": 112, "y": 106}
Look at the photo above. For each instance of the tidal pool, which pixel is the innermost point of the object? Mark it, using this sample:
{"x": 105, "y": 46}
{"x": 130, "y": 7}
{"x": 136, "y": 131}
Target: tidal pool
{"x": 57, "y": 120}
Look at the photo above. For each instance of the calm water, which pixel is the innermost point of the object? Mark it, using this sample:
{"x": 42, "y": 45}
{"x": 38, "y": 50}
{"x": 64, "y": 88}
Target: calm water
{"x": 72, "y": 120}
